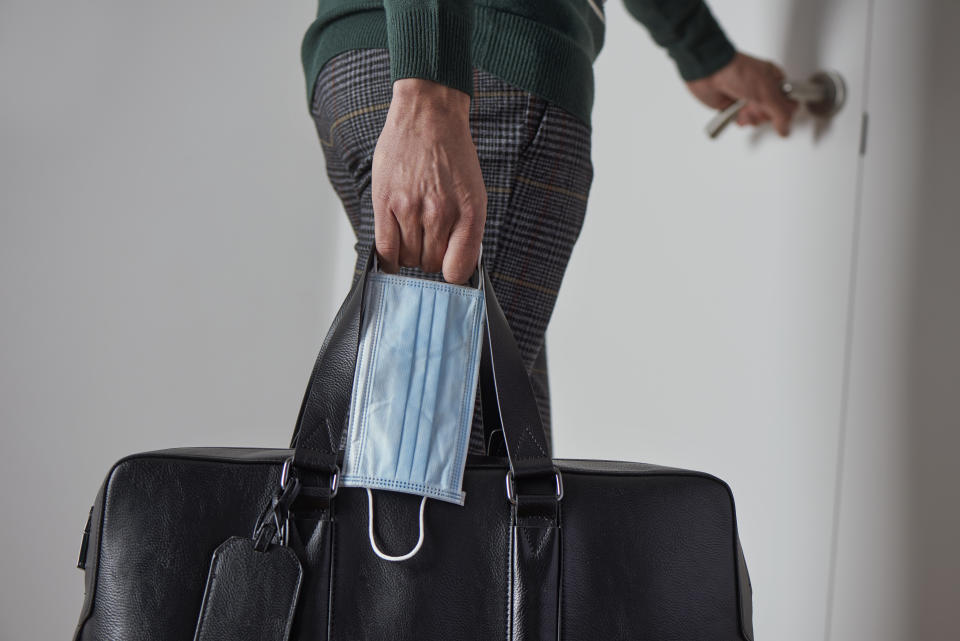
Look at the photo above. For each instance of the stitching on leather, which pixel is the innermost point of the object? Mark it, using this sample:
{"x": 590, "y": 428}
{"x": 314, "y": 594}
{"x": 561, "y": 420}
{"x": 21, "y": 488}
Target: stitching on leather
{"x": 333, "y": 574}
{"x": 540, "y": 541}
{"x": 535, "y": 442}
{"x": 511, "y": 545}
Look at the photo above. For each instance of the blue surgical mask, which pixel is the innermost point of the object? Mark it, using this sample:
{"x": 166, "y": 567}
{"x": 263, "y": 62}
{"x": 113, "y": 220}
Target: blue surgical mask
{"x": 414, "y": 388}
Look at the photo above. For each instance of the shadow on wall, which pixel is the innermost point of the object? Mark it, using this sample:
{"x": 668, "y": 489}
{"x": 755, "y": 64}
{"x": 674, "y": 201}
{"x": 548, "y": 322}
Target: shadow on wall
{"x": 932, "y": 437}
{"x": 800, "y": 57}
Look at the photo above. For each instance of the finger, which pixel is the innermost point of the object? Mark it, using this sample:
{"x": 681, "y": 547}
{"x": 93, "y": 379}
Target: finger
{"x": 387, "y": 234}
{"x": 718, "y": 100}
{"x": 760, "y": 115}
{"x": 437, "y": 222}
{"x": 713, "y": 98}
{"x": 723, "y": 102}
{"x": 781, "y": 120}
{"x": 463, "y": 250}
{"x": 408, "y": 217}
{"x": 748, "y": 114}
{"x": 776, "y": 105}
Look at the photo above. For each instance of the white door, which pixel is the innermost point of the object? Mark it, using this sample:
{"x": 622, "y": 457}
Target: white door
{"x": 713, "y": 316}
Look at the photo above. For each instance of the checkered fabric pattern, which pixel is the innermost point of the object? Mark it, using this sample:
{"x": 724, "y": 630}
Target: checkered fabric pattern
{"x": 535, "y": 160}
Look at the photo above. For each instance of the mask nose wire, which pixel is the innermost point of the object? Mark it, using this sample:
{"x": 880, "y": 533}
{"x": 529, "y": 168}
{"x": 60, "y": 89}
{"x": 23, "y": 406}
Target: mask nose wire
{"x": 373, "y": 543}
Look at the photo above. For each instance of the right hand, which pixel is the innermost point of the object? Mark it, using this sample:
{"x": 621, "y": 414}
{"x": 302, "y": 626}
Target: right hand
{"x": 754, "y": 80}
{"x": 429, "y": 200}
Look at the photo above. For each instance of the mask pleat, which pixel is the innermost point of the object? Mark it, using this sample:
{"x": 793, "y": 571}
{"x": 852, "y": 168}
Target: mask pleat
{"x": 451, "y": 387}
{"x": 411, "y": 414}
{"x": 434, "y": 426}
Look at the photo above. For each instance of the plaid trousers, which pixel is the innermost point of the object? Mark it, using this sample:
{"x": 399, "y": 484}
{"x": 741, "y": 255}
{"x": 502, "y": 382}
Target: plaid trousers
{"x": 536, "y": 166}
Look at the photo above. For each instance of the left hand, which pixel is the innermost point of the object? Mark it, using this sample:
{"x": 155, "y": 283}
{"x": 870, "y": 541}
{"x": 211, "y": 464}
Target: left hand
{"x": 758, "y": 82}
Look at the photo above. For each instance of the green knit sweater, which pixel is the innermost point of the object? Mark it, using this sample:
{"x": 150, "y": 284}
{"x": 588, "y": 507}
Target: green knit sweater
{"x": 546, "y": 47}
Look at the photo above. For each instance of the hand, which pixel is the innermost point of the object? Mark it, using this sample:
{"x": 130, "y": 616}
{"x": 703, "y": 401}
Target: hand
{"x": 429, "y": 200}
{"x": 758, "y": 82}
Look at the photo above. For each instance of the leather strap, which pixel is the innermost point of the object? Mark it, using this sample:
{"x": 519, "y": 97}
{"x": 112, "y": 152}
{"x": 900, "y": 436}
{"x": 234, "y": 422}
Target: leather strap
{"x": 536, "y": 550}
{"x": 326, "y": 403}
{"x": 516, "y": 405}
{"x": 493, "y": 439}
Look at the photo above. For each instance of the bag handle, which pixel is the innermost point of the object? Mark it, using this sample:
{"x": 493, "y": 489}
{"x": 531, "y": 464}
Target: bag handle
{"x": 326, "y": 403}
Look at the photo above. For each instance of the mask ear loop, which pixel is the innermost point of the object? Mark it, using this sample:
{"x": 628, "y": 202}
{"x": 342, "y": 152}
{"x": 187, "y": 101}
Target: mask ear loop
{"x": 479, "y": 263}
{"x": 373, "y": 544}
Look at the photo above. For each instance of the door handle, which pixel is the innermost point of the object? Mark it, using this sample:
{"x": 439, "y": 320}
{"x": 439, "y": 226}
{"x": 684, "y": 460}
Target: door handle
{"x": 823, "y": 93}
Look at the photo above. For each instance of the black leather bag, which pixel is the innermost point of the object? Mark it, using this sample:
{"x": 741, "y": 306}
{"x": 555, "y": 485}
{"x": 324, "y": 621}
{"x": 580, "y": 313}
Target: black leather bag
{"x": 543, "y": 548}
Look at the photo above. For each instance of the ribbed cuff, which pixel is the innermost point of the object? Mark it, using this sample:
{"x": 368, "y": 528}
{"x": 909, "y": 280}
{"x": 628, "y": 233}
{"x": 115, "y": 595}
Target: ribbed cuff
{"x": 431, "y": 42}
{"x": 703, "y": 47}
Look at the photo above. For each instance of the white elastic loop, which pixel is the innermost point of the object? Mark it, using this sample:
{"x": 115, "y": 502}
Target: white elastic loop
{"x": 373, "y": 544}
{"x": 479, "y": 267}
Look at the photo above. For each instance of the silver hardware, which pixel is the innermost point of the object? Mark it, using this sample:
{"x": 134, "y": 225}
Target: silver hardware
{"x": 285, "y": 475}
{"x": 283, "y": 530}
{"x": 823, "y": 93}
{"x": 512, "y": 490}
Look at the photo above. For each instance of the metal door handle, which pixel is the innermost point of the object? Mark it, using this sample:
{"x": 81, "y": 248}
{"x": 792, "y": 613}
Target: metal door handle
{"x": 823, "y": 94}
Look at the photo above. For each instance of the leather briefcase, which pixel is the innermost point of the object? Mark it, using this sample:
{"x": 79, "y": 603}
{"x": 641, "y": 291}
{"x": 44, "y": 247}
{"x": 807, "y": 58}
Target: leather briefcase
{"x": 543, "y": 548}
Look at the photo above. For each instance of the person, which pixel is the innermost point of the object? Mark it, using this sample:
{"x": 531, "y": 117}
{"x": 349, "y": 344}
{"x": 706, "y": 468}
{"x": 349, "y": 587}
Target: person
{"x": 447, "y": 123}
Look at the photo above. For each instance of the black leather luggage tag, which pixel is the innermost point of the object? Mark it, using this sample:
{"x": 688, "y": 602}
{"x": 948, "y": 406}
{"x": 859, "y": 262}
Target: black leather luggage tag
{"x": 250, "y": 595}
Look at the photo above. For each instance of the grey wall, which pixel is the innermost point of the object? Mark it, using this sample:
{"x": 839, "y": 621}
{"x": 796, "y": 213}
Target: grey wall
{"x": 165, "y": 230}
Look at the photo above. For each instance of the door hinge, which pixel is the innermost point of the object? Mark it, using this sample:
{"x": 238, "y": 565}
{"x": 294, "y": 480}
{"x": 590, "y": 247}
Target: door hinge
{"x": 864, "y": 119}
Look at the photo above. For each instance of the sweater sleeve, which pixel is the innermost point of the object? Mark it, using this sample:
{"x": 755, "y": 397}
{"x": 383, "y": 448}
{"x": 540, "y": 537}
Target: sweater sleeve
{"x": 688, "y": 31}
{"x": 431, "y": 39}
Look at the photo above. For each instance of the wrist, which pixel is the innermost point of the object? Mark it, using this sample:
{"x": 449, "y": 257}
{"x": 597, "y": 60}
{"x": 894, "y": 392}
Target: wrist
{"x": 421, "y": 94}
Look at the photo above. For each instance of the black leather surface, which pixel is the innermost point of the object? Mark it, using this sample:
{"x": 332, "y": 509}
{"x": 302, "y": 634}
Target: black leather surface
{"x": 632, "y": 551}
{"x": 647, "y": 552}
{"x": 250, "y": 595}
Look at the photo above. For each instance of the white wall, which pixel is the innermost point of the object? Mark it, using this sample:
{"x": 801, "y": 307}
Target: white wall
{"x": 719, "y": 274}
{"x": 171, "y": 254}
{"x": 166, "y": 228}
{"x": 784, "y": 313}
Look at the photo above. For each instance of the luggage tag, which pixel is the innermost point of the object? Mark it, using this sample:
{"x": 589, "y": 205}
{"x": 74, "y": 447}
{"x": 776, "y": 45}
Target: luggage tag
{"x": 253, "y": 583}
{"x": 411, "y": 410}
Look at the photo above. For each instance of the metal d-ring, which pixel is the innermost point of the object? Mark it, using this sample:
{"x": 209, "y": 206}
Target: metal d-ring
{"x": 285, "y": 476}
{"x": 512, "y": 489}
